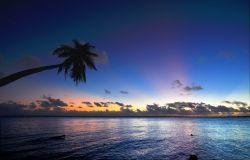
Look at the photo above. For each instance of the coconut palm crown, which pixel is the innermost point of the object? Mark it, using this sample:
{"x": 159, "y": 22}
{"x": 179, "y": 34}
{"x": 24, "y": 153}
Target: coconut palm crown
{"x": 77, "y": 58}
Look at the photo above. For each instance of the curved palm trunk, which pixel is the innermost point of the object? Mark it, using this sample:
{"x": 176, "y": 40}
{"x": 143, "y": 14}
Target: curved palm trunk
{"x": 13, "y": 77}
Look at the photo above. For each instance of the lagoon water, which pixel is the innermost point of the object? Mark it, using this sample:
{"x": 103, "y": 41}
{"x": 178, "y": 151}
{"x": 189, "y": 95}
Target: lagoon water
{"x": 125, "y": 138}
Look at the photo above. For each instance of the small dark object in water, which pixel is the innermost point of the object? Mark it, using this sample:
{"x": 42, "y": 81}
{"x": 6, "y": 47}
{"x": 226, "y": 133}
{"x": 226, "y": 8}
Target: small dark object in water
{"x": 191, "y": 135}
{"x": 58, "y": 137}
{"x": 193, "y": 157}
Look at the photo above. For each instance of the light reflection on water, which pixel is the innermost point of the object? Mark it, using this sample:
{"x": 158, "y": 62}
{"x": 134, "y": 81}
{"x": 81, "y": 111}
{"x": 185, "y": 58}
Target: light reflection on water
{"x": 125, "y": 138}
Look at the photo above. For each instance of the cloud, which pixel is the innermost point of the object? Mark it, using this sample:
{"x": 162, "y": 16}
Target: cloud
{"x": 105, "y": 104}
{"x": 124, "y": 92}
{"x": 52, "y": 106}
{"x": 102, "y": 58}
{"x": 190, "y": 108}
{"x": 185, "y": 90}
{"x": 107, "y": 91}
{"x": 28, "y": 62}
{"x": 88, "y": 104}
{"x": 97, "y": 104}
{"x": 236, "y": 103}
{"x": 176, "y": 84}
{"x": 50, "y": 102}
{"x": 193, "y": 88}
{"x": 201, "y": 109}
{"x": 14, "y": 108}
{"x": 128, "y": 106}
{"x": 119, "y": 104}
{"x": 156, "y": 109}
{"x": 222, "y": 109}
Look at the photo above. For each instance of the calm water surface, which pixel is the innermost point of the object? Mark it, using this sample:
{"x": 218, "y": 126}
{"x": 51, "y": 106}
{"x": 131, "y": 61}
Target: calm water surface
{"x": 125, "y": 138}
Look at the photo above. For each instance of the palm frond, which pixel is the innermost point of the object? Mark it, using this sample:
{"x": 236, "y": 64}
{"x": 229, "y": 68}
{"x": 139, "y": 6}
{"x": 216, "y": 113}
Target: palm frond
{"x": 77, "y": 58}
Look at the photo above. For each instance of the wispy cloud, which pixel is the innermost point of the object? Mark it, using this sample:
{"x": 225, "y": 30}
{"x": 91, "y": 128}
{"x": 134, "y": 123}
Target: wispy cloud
{"x": 193, "y": 88}
{"x": 176, "y": 84}
{"x": 185, "y": 90}
{"x": 124, "y": 92}
{"x": 107, "y": 91}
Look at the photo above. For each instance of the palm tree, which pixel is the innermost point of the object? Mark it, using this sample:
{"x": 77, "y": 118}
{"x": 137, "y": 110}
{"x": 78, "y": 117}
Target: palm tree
{"x": 76, "y": 58}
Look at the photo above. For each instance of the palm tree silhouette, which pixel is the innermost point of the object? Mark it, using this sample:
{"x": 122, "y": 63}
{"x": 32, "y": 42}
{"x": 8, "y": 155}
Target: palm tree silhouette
{"x": 76, "y": 58}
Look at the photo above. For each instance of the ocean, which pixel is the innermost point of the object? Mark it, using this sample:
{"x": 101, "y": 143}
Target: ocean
{"x": 124, "y": 138}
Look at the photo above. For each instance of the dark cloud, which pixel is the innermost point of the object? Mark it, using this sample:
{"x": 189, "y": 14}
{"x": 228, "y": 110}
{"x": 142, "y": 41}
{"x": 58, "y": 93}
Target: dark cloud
{"x": 221, "y": 109}
{"x": 14, "y": 108}
{"x": 201, "y": 109}
{"x": 97, "y": 104}
{"x": 190, "y": 108}
{"x": 119, "y": 104}
{"x": 176, "y": 84}
{"x": 107, "y": 91}
{"x": 124, "y": 92}
{"x": 138, "y": 110}
{"x": 193, "y": 88}
{"x": 50, "y": 102}
{"x": 126, "y": 109}
{"x": 104, "y": 104}
{"x": 237, "y": 103}
{"x": 88, "y": 104}
{"x": 156, "y": 109}
{"x": 107, "y": 104}
{"x": 51, "y": 106}
{"x": 181, "y": 104}
{"x": 128, "y": 106}
{"x": 244, "y": 109}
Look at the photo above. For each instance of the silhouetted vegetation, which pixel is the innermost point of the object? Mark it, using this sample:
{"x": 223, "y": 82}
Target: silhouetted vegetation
{"x": 77, "y": 58}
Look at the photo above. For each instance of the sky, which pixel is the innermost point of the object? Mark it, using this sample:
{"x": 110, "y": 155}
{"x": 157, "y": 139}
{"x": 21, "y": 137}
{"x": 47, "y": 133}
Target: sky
{"x": 153, "y": 52}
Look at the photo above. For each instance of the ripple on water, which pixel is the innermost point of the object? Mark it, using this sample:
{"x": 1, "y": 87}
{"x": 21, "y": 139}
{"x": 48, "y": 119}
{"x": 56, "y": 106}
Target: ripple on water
{"x": 125, "y": 138}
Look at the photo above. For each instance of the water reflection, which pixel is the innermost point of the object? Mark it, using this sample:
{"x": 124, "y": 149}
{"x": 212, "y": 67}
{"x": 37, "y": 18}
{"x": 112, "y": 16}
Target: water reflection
{"x": 126, "y": 138}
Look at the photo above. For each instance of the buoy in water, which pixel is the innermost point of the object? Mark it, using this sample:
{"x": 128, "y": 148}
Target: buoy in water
{"x": 58, "y": 137}
{"x": 193, "y": 157}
